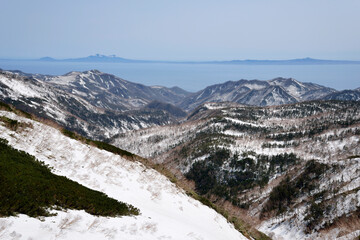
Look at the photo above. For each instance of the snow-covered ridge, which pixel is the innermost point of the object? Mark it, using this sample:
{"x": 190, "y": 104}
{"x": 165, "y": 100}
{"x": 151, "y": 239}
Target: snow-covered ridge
{"x": 166, "y": 211}
{"x": 111, "y": 90}
{"x": 259, "y": 93}
{"x": 79, "y": 102}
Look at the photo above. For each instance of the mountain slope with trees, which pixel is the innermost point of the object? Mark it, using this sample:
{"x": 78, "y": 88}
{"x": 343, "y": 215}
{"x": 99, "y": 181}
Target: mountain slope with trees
{"x": 270, "y": 164}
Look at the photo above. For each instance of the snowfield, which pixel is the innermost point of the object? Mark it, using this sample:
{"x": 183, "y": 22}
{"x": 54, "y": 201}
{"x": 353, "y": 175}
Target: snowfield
{"x": 166, "y": 211}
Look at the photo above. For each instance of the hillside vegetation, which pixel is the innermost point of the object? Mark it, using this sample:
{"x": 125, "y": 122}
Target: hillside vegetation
{"x": 27, "y": 186}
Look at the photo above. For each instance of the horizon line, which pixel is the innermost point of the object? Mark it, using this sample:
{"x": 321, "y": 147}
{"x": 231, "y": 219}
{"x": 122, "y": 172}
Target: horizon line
{"x": 115, "y": 57}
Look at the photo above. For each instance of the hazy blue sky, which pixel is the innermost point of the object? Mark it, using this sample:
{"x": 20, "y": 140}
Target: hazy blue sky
{"x": 181, "y": 30}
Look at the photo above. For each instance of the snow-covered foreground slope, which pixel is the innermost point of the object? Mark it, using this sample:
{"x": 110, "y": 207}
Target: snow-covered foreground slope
{"x": 166, "y": 211}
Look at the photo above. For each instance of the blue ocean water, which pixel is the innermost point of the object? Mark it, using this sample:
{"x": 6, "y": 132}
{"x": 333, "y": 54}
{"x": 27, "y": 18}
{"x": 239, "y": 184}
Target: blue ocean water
{"x": 194, "y": 77}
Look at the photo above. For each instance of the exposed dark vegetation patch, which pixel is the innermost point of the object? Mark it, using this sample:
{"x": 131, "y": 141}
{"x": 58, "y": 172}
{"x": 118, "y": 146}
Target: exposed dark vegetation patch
{"x": 4, "y": 106}
{"x": 13, "y": 124}
{"x": 9, "y": 108}
{"x": 29, "y": 187}
{"x": 283, "y": 195}
{"x": 10, "y": 123}
{"x": 245, "y": 128}
{"x": 280, "y": 145}
{"x": 315, "y": 214}
{"x": 227, "y": 175}
{"x": 111, "y": 148}
{"x": 71, "y": 134}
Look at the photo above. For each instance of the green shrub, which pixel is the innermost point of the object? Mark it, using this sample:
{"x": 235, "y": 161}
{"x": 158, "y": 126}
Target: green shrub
{"x": 69, "y": 134}
{"x": 27, "y": 186}
{"x": 111, "y": 148}
{"x": 4, "y": 106}
{"x": 10, "y": 123}
{"x": 98, "y": 144}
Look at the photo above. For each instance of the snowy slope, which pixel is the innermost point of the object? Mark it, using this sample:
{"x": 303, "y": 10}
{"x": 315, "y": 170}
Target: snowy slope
{"x": 327, "y": 132}
{"x": 166, "y": 211}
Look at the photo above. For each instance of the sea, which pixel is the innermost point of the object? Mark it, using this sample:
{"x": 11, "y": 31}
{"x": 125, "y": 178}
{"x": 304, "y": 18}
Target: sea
{"x": 194, "y": 77}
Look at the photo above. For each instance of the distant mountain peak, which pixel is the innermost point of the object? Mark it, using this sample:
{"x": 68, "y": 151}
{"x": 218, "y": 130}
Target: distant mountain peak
{"x": 94, "y": 71}
{"x": 283, "y": 79}
{"x": 286, "y": 82}
{"x": 72, "y": 73}
{"x": 307, "y": 59}
{"x": 255, "y": 92}
{"x": 102, "y": 56}
{"x": 47, "y": 59}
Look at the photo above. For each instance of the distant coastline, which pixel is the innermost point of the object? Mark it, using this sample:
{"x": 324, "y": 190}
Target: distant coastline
{"x": 115, "y": 59}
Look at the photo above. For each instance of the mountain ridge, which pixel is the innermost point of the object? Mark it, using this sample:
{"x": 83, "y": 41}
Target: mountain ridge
{"x": 89, "y": 110}
{"x": 114, "y": 58}
{"x": 260, "y": 93}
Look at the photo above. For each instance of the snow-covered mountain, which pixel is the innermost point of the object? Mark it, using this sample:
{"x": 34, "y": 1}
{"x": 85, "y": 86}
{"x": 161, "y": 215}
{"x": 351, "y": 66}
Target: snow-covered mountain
{"x": 291, "y": 170}
{"x": 260, "y": 93}
{"x": 110, "y": 92}
{"x": 93, "y": 104}
{"x": 345, "y": 95}
{"x": 167, "y": 212}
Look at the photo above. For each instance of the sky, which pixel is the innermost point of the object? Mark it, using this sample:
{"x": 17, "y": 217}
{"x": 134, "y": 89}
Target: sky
{"x": 181, "y": 29}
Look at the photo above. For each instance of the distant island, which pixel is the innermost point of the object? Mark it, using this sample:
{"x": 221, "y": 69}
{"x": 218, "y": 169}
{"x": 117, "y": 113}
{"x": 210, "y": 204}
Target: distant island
{"x": 115, "y": 59}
